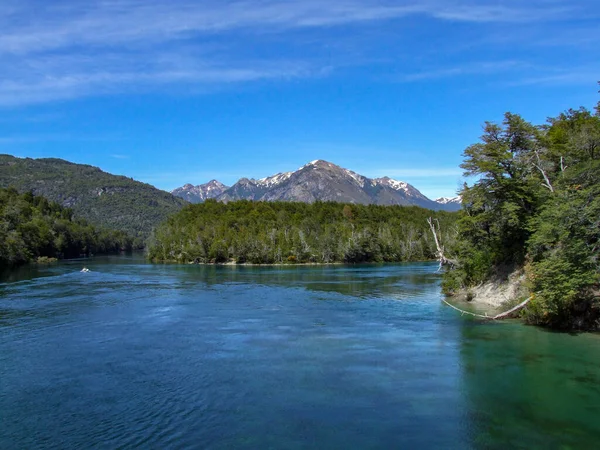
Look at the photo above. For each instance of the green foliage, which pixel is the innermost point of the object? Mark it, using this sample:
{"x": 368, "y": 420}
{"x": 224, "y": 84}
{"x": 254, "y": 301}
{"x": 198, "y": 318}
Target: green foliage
{"x": 564, "y": 269}
{"x": 284, "y": 232}
{"x": 33, "y": 228}
{"x": 536, "y": 202}
{"x": 106, "y": 200}
{"x": 500, "y": 203}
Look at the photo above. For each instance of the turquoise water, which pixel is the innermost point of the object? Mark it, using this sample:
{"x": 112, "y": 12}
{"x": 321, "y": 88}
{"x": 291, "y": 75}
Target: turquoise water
{"x": 133, "y": 355}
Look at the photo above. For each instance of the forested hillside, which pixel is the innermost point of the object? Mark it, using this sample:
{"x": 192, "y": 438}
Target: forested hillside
{"x": 536, "y": 207}
{"x": 286, "y": 232}
{"x": 32, "y": 227}
{"x": 106, "y": 200}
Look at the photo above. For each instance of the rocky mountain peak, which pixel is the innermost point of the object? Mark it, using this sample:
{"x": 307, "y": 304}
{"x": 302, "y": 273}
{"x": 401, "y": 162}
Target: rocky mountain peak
{"x": 324, "y": 181}
{"x": 200, "y": 193}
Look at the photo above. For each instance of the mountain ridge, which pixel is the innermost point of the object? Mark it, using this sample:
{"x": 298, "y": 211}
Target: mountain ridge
{"x": 320, "y": 180}
{"x": 201, "y": 192}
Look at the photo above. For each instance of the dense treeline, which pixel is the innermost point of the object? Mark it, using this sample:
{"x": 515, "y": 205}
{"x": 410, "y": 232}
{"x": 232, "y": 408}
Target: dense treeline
{"x": 286, "y": 232}
{"x": 32, "y": 227}
{"x": 536, "y": 207}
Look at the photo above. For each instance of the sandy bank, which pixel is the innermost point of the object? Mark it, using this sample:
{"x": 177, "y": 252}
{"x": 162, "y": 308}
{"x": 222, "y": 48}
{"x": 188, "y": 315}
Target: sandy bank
{"x": 497, "y": 292}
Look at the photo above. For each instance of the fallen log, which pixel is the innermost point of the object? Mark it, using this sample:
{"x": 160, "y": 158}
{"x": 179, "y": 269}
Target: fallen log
{"x": 497, "y": 316}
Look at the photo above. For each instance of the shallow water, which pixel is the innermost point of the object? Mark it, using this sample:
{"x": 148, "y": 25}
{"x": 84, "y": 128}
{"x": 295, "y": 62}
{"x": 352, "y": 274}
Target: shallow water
{"x": 133, "y": 355}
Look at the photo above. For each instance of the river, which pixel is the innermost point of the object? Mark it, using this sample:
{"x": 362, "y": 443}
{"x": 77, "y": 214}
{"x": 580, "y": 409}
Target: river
{"x": 135, "y": 355}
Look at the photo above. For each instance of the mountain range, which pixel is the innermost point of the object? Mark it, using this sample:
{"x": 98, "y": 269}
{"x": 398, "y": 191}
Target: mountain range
{"x": 318, "y": 181}
{"x": 121, "y": 203}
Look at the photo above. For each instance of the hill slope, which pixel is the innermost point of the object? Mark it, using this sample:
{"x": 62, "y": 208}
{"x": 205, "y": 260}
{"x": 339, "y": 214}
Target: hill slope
{"x": 104, "y": 199}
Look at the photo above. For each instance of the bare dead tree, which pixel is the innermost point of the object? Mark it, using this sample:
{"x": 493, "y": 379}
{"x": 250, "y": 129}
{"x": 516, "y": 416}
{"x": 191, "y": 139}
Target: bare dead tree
{"x": 562, "y": 164}
{"x": 539, "y": 167}
{"x": 440, "y": 248}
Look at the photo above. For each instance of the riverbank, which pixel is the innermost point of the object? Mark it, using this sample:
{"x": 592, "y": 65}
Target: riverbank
{"x": 497, "y": 292}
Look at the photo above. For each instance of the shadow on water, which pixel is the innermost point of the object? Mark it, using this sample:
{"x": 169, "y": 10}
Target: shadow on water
{"x": 530, "y": 388}
{"x": 26, "y": 272}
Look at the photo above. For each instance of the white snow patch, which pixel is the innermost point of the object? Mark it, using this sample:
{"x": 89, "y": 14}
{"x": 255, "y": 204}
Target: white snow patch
{"x": 398, "y": 185}
{"x": 275, "y": 179}
{"x": 312, "y": 163}
{"x": 358, "y": 178}
{"x": 395, "y": 184}
{"x": 448, "y": 200}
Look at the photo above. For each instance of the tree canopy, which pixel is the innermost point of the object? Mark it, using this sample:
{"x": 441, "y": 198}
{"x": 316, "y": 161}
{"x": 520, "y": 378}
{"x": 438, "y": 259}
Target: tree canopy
{"x": 535, "y": 205}
{"x": 288, "y": 232}
{"x": 32, "y": 227}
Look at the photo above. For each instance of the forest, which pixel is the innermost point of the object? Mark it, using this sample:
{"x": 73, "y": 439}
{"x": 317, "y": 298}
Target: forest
{"x": 32, "y": 227}
{"x": 109, "y": 201}
{"x": 535, "y": 207}
{"x": 289, "y": 233}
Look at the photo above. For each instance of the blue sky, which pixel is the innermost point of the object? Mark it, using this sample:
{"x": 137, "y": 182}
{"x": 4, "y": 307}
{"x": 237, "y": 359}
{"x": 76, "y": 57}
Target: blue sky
{"x": 185, "y": 91}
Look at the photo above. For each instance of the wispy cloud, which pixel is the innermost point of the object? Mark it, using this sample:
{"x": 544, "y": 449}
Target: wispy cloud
{"x": 573, "y": 76}
{"x": 510, "y": 74}
{"x": 475, "y": 68}
{"x": 62, "y": 50}
{"x": 62, "y": 23}
{"x": 62, "y": 84}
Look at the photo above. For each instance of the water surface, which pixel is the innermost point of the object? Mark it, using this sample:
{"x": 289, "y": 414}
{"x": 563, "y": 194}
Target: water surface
{"x": 133, "y": 355}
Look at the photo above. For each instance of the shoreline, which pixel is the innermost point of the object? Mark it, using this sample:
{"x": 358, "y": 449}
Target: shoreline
{"x": 496, "y": 292}
{"x": 337, "y": 263}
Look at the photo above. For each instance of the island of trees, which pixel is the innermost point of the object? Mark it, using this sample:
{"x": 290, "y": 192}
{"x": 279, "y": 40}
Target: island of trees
{"x": 32, "y": 227}
{"x": 535, "y": 208}
{"x": 288, "y": 233}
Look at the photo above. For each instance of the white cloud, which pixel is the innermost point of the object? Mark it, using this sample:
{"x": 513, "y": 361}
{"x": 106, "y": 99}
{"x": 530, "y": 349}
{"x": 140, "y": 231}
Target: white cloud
{"x": 29, "y": 27}
{"x": 62, "y": 50}
{"x": 73, "y": 76}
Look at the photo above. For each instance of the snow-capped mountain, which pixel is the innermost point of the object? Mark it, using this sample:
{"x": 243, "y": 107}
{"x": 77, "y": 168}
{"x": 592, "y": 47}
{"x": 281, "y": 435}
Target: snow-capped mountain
{"x": 274, "y": 180}
{"x": 323, "y": 181}
{"x": 449, "y": 201}
{"x": 200, "y": 193}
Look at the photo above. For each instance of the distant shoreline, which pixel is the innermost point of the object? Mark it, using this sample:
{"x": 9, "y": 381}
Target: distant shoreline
{"x": 338, "y": 263}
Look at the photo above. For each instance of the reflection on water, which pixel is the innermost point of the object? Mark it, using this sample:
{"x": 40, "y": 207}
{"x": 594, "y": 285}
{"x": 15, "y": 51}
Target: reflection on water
{"x": 174, "y": 356}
